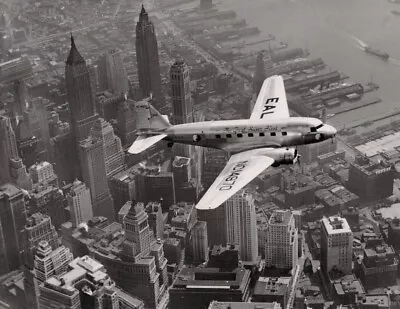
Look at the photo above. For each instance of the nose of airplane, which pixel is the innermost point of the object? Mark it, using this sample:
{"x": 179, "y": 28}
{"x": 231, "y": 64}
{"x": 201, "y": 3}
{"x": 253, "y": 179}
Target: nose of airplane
{"x": 329, "y": 130}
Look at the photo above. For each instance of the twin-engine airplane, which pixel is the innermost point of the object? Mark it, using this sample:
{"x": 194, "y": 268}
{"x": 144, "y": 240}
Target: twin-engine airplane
{"x": 265, "y": 139}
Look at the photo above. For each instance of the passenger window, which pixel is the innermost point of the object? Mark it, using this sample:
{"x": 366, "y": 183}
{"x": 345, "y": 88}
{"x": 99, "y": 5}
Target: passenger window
{"x": 229, "y": 136}
{"x": 239, "y": 135}
{"x": 313, "y": 129}
{"x": 217, "y": 136}
{"x": 262, "y": 134}
{"x": 250, "y": 134}
{"x": 284, "y": 133}
{"x": 273, "y": 134}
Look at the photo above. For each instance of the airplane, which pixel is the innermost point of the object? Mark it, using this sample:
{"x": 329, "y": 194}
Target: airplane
{"x": 266, "y": 139}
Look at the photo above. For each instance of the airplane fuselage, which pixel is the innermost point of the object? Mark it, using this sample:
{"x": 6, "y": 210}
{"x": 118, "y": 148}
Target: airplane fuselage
{"x": 245, "y": 134}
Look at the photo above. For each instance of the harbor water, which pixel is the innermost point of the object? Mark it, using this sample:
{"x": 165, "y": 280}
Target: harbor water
{"x": 336, "y": 31}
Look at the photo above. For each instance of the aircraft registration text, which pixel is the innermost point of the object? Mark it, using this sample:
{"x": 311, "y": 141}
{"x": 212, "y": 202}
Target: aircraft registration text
{"x": 231, "y": 179}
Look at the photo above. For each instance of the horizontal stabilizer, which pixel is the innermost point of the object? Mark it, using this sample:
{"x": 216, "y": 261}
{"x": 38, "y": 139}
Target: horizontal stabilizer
{"x": 144, "y": 142}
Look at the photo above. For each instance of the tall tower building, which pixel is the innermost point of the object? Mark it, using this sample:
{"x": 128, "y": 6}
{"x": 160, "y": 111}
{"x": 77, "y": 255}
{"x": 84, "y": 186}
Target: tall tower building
{"x": 137, "y": 232}
{"x": 260, "y": 74}
{"x": 200, "y": 242}
{"x": 181, "y": 95}
{"x": 113, "y": 74}
{"x": 20, "y": 96}
{"x": 241, "y": 225}
{"x": 181, "y": 100}
{"x": 80, "y": 94}
{"x": 38, "y": 228}
{"x": 12, "y": 221}
{"x": 80, "y": 203}
{"x": 336, "y": 245}
{"x": 47, "y": 263}
{"x": 281, "y": 240}
{"x": 94, "y": 174}
{"x": 147, "y": 57}
{"x": 126, "y": 124}
{"x": 216, "y": 225}
{"x": 8, "y": 148}
{"x": 113, "y": 152}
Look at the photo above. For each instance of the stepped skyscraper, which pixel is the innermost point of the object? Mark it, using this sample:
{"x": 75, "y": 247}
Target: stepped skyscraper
{"x": 147, "y": 57}
{"x": 81, "y": 96}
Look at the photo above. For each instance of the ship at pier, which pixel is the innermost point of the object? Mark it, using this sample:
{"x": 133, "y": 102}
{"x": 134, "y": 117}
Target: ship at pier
{"x": 376, "y": 52}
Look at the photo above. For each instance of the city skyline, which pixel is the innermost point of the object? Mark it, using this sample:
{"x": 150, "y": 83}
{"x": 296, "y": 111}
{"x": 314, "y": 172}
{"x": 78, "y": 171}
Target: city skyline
{"x": 84, "y": 223}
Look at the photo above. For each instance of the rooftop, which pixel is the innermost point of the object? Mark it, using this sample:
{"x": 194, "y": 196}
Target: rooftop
{"x": 241, "y": 305}
{"x": 376, "y": 299}
{"x": 336, "y": 225}
{"x": 212, "y": 278}
{"x": 9, "y": 189}
{"x": 272, "y": 285}
{"x": 280, "y": 217}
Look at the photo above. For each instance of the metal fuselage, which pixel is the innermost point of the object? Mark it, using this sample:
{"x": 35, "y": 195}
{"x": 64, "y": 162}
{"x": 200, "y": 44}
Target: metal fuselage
{"x": 240, "y": 135}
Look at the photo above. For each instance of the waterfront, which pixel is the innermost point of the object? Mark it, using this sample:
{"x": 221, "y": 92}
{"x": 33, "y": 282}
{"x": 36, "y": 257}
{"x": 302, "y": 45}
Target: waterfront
{"x": 335, "y": 31}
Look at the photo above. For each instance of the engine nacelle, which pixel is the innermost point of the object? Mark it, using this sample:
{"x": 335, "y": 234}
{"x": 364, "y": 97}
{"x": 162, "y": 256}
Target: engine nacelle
{"x": 285, "y": 156}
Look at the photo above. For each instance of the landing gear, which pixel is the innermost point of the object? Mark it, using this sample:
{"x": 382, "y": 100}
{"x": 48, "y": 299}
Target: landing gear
{"x": 170, "y": 144}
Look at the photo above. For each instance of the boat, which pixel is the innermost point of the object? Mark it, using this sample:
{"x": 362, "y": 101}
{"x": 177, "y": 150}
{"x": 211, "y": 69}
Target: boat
{"x": 376, "y": 52}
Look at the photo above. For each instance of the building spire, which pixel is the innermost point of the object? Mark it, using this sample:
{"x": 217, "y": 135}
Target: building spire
{"x": 74, "y": 57}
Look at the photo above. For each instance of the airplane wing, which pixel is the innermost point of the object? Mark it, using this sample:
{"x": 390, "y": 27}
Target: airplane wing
{"x": 144, "y": 142}
{"x": 271, "y": 101}
{"x": 241, "y": 168}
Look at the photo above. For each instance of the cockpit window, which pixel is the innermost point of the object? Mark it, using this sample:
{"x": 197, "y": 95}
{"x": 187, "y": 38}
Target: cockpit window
{"x": 314, "y": 129}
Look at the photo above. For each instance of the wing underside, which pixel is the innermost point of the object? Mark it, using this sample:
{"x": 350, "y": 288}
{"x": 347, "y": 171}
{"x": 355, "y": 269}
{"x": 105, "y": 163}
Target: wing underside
{"x": 238, "y": 172}
{"x": 271, "y": 102}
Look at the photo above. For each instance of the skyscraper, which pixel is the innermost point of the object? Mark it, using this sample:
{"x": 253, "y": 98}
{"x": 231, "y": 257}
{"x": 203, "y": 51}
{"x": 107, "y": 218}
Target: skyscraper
{"x": 147, "y": 57}
{"x": 181, "y": 95}
{"x": 8, "y": 148}
{"x": 241, "y": 225}
{"x": 94, "y": 173}
{"x": 20, "y": 96}
{"x": 112, "y": 72}
{"x": 80, "y": 203}
{"x": 113, "y": 152}
{"x": 38, "y": 228}
{"x": 281, "y": 240}
{"x": 336, "y": 245}
{"x": 199, "y": 242}
{"x": 48, "y": 262}
{"x": 260, "y": 74}
{"x": 12, "y": 222}
{"x": 182, "y": 108}
{"x": 216, "y": 225}
{"x": 126, "y": 124}
{"x": 80, "y": 94}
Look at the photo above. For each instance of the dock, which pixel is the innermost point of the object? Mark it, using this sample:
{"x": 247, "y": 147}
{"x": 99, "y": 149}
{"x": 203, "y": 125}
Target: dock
{"x": 358, "y": 105}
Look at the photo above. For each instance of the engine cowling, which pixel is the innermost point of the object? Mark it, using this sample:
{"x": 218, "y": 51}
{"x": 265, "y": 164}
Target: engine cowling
{"x": 286, "y": 156}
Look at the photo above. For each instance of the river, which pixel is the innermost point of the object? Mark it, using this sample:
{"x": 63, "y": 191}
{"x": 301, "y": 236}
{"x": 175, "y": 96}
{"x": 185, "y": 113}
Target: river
{"x": 336, "y": 31}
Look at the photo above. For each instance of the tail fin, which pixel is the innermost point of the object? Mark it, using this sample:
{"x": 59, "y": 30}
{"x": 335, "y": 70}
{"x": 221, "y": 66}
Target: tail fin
{"x": 148, "y": 122}
{"x": 148, "y": 118}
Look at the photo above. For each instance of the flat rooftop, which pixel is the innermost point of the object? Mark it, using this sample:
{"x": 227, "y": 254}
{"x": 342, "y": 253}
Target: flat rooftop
{"x": 386, "y": 143}
{"x": 210, "y": 278}
{"x": 280, "y": 217}
{"x": 336, "y": 225}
